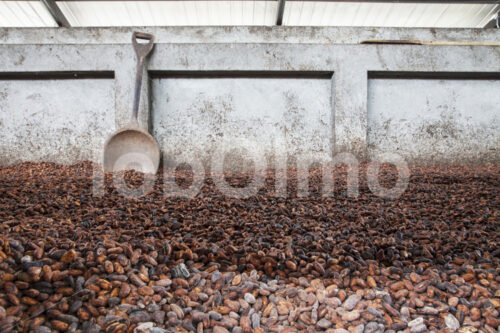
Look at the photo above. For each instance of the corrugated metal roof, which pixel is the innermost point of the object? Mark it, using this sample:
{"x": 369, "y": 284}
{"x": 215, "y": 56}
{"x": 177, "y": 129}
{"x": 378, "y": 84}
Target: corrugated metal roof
{"x": 388, "y": 14}
{"x": 25, "y": 14}
{"x": 248, "y": 12}
{"x": 159, "y": 13}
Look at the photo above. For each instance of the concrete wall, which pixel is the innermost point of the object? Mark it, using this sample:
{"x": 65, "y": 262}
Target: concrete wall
{"x": 276, "y": 117}
{"x": 281, "y": 91}
{"x": 430, "y": 120}
{"x": 54, "y": 120}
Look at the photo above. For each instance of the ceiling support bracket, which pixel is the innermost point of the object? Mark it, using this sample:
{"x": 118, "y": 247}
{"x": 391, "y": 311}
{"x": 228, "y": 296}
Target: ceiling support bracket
{"x": 56, "y": 13}
{"x": 281, "y": 11}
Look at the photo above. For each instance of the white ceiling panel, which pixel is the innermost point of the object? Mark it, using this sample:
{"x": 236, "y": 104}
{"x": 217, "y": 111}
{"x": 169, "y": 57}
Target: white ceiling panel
{"x": 161, "y": 13}
{"x": 323, "y": 13}
{"x": 25, "y": 14}
{"x": 248, "y": 12}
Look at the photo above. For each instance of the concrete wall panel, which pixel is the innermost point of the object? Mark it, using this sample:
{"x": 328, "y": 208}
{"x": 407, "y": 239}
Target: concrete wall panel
{"x": 63, "y": 121}
{"x": 435, "y": 120}
{"x": 277, "y": 117}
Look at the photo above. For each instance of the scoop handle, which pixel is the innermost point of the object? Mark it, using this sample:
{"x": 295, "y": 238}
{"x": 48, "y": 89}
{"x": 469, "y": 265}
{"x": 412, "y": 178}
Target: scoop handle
{"x": 141, "y": 50}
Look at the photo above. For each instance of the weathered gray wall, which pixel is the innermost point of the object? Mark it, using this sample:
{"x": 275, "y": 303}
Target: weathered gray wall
{"x": 280, "y": 91}
{"x": 54, "y": 120}
{"x": 274, "y": 116}
{"x": 430, "y": 120}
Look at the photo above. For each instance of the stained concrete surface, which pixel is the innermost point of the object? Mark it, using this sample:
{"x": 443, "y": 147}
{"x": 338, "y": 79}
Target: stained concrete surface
{"x": 273, "y": 117}
{"x": 240, "y": 34}
{"x": 345, "y": 127}
{"x": 435, "y": 120}
{"x": 59, "y": 121}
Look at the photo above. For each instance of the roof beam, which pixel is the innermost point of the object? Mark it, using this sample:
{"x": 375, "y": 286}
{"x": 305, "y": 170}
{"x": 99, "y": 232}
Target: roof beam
{"x": 494, "y": 22}
{"x": 281, "y": 11}
{"x": 56, "y": 13}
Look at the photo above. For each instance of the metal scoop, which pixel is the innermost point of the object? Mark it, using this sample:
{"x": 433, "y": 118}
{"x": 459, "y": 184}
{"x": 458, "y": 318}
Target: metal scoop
{"x": 131, "y": 147}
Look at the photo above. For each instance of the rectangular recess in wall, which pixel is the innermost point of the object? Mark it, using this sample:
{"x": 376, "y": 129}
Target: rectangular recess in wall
{"x": 283, "y": 113}
{"x": 61, "y": 117}
{"x": 435, "y": 117}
